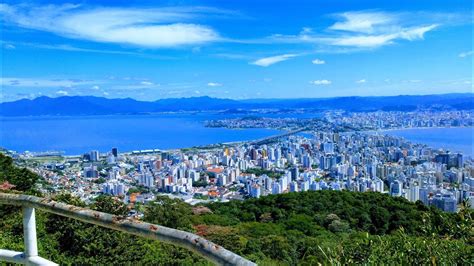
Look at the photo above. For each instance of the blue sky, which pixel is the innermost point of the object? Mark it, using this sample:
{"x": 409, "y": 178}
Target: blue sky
{"x": 235, "y": 49}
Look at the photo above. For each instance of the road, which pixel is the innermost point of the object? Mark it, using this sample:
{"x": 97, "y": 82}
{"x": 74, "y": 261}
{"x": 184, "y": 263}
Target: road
{"x": 275, "y": 137}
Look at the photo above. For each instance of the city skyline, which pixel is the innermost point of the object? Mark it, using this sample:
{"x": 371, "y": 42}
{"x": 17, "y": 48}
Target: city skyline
{"x": 234, "y": 50}
{"x": 269, "y": 132}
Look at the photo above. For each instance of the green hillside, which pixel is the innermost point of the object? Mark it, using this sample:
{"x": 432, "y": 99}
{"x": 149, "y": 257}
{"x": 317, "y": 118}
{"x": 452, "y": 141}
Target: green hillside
{"x": 327, "y": 227}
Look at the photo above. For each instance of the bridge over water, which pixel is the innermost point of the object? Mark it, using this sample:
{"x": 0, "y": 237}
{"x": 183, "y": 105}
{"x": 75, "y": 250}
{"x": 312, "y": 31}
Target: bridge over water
{"x": 276, "y": 137}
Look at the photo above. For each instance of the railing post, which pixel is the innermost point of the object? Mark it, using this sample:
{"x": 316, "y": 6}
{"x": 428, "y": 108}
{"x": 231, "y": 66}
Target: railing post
{"x": 29, "y": 233}
{"x": 205, "y": 248}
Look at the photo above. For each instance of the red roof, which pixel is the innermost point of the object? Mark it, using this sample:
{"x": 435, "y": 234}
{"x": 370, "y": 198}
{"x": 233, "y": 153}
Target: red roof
{"x": 6, "y": 186}
{"x": 215, "y": 170}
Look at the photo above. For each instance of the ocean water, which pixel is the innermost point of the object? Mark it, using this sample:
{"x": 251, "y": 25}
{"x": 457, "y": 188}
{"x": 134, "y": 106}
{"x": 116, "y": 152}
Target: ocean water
{"x": 77, "y": 135}
{"x": 452, "y": 139}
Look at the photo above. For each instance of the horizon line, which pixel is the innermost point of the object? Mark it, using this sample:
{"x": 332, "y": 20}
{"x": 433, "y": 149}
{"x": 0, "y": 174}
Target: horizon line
{"x": 236, "y": 99}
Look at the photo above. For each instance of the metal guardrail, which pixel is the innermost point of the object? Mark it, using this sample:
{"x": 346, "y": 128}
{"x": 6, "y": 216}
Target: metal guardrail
{"x": 192, "y": 242}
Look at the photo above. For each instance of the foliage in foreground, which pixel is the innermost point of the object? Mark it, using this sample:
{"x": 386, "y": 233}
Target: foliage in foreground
{"x": 306, "y": 228}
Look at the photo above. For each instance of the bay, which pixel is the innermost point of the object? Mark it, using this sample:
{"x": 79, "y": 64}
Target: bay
{"x": 454, "y": 139}
{"x": 77, "y": 135}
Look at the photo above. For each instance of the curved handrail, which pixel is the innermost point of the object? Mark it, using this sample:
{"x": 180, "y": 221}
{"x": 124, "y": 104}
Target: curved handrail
{"x": 206, "y": 248}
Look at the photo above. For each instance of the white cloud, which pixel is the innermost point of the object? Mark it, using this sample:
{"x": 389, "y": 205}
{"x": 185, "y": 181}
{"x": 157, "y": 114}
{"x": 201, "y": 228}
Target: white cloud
{"x": 95, "y": 87}
{"x": 70, "y": 48}
{"x": 146, "y": 83}
{"x": 366, "y": 30}
{"x": 412, "y": 81}
{"x": 152, "y": 27}
{"x": 61, "y": 92}
{"x": 465, "y": 54}
{"x": 374, "y": 29}
{"x": 318, "y": 62}
{"x": 321, "y": 82}
{"x": 268, "y": 61}
{"x": 233, "y": 56}
{"x": 362, "y": 21}
{"x": 41, "y": 82}
{"x": 373, "y": 41}
{"x": 360, "y": 81}
{"x": 197, "y": 92}
{"x": 214, "y": 84}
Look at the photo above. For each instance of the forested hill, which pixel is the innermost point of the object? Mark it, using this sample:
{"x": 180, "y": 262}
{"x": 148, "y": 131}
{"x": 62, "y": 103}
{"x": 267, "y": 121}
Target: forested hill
{"x": 327, "y": 227}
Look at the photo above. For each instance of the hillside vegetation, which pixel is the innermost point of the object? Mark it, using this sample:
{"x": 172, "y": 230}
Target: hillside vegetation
{"x": 327, "y": 227}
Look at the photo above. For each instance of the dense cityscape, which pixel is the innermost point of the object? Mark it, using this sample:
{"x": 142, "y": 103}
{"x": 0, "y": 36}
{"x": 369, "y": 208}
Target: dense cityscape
{"x": 328, "y": 159}
{"x": 196, "y": 132}
{"x": 340, "y": 121}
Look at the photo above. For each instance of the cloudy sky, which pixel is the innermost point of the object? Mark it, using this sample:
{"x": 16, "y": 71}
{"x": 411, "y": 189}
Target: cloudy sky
{"x": 235, "y": 49}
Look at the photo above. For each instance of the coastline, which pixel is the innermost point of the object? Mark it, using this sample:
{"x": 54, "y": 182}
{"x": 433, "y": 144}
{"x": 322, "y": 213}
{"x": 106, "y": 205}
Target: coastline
{"x": 410, "y": 128}
{"x": 231, "y": 143}
{"x": 461, "y": 141}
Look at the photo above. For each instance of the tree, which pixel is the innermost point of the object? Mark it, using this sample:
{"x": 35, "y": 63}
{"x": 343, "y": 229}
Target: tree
{"x": 22, "y": 178}
{"x": 110, "y": 205}
{"x": 338, "y": 226}
{"x": 173, "y": 213}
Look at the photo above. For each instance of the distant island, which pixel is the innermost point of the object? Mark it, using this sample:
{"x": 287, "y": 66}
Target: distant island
{"x": 90, "y": 105}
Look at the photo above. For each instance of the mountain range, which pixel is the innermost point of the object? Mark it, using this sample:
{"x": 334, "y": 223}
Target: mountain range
{"x": 91, "y": 105}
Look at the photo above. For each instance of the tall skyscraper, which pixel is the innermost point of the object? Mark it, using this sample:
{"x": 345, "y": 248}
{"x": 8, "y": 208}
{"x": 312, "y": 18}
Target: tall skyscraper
{"x": 115, "y": 152}
{"x": 94, "y": 156}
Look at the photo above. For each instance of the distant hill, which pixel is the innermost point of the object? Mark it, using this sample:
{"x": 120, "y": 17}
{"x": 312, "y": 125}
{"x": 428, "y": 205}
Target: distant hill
{"x": 90, "y": 105}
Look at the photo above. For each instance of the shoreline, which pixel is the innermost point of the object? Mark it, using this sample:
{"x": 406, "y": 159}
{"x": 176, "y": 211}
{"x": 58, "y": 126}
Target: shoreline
{"x": 210, "y": 146}
{"x": 434, "y": 144}
{"x": 410, "y": 128}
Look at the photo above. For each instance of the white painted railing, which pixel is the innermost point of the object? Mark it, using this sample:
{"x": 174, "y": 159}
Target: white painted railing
{"x": 192, "y": 242}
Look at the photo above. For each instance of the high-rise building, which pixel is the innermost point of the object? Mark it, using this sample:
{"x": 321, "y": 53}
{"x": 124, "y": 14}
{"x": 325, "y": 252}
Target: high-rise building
{"x": 276, "y": 188}
{"x": 146, "y": 179}
{"x": 442, "y": 158}
{"x": 113, "y": 188}
{"x": 396, "y": 188}
{"x": 305, "y": 186}
{"x": 91, "y": 172}
{"x": 379, "y": 185}
{"x": 294, "y": 173}
{"x": 221, "y": 180}
{"x": 94, "y": 156}
{"x": 115, "y": 152}
{"x": 255, "y": 191}
{"x": 314, "y": 186}
{"x": 424, "y": 194}
{"x": 307, "y": 161}
{"x": 414, "y": 193}
{"x": 445, "y": 201}
{"x": 111, "y": 158}
{"x": 294, "y": 186}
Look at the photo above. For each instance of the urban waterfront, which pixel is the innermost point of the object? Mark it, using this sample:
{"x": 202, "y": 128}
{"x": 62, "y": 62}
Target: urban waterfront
{"x": 240, "y": 157}
{"x": 236, "y": 133}
{"x": 454, "y": 139}
{"x": 74, "y": 135}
